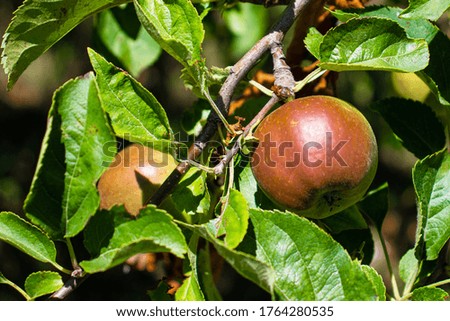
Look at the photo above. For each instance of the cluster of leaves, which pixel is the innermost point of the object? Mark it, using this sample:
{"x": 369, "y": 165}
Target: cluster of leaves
{"x": 290, "y": 257}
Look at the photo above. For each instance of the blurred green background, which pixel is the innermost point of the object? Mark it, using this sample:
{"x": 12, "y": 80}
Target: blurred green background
{"x": 23, "y": 113}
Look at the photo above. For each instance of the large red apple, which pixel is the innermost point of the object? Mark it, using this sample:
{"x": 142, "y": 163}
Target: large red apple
{"x": 316, "y": 156}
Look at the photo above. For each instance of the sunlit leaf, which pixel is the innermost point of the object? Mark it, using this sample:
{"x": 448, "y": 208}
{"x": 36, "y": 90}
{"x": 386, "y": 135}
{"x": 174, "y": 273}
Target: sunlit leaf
{"x": 372, "y": 44}
{"x": 308, "y": 263}
{"x": 431, "y": 177}
{"x": 414, "y": 28}
{"x": 26, "y": 237}
{"x": 175, "y": 25}
{"x": 43, "y": 282}
{"x": 234, "y": 219}
{"x": 135, "y": 113}
{"x": 427, "y": 9}
{"x": 152, "y": 231}
{"x": 429, "y": 294}
{"x": 178, "y": 29}
{"x": 85, "y": 133}
{"x": 39, "y": 24}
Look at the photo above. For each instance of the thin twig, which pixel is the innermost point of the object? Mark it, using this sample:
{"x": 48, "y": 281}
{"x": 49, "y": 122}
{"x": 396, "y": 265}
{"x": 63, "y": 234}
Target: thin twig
{"x": 237, "y": 73}
{"x": 219, "y": 168}
{"x": 75, "y": 280}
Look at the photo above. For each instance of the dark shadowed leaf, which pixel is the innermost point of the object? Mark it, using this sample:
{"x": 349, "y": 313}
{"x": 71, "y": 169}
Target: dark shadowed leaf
{"x": 414, "y": 124}
{"x": 435, "y": 75}
{"x": 415, "y": 29}
{"x": 375, "y": 205}
{"x": 43, "y": 205}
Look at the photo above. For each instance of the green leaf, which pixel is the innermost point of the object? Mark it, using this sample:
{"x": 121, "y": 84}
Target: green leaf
{"x": 119, "y": 32}
{"x": 85, "y": 132}
{"x": 26, "y": 237}
{"x": 375, "y": 205}
{"x": 376, "y": 280}
{"x": 431, "y": 177}
{"x": 160, "y": 292}
{"x": 372, "y": 44}
{"x": 426, "y": 9}
{"x": 301, "y": 253}
{"x": 435, "y": 73}
{"x": 43, "y": 282}
{"x": 43, "y": 205}
{"x": 429, "y": 294}
{"x": 37, "y": 25}
{"x": 100, "y": 229}
{"x": 178, "y": 29}
{"x": 190, "y": 288}
{"x": 152, "y": 231}
{"x": 408, "y": 267}
{"x": 415, "y": 29}
{"x": 234, "y": 220}
{"x": 191, "y": 195}
{"x": 313, "y": 40}
{"x": 205, "y": 272}
{"x": 3, "y": 279}
{"x": 243, "y": 262}
{"x": 175, "y": 25}
{"x": 135, "y": 113}
{"x": 414, "y": 124}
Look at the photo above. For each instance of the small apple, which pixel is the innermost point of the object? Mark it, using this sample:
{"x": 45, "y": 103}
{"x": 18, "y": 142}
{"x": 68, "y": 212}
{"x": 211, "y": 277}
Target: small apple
{"x": 135, "y": 174}
{"x": 316, "y": 156}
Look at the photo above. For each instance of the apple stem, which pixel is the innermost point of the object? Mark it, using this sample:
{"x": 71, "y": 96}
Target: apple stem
{"x": 309, "y": 78}
{"x": 219, "y": 168}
